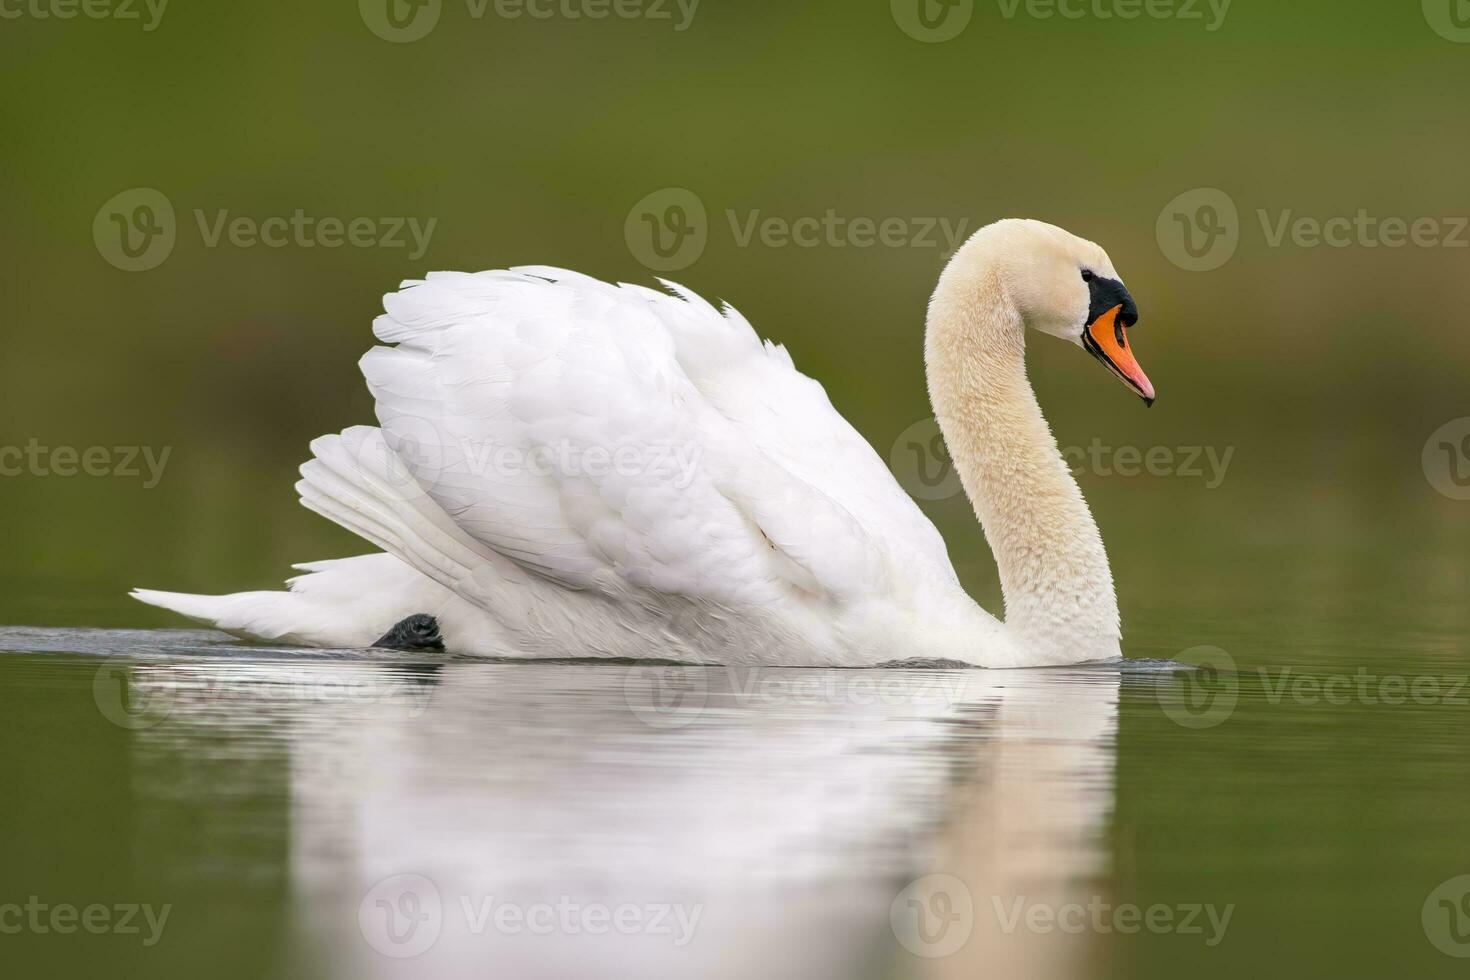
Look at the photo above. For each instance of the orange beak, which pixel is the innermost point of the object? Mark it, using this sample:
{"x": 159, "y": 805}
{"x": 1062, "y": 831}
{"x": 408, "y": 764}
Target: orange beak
{"x": 1106, "y": 340}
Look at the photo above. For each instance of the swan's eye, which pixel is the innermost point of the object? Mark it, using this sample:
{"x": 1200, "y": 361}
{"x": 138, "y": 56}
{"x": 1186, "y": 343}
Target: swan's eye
{"x": 1087, "y": 275}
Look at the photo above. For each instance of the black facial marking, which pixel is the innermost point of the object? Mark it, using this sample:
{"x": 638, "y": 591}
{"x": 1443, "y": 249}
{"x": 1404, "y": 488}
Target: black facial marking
{"x": 1106, "y": 294}
{"x": 417, "y": 632}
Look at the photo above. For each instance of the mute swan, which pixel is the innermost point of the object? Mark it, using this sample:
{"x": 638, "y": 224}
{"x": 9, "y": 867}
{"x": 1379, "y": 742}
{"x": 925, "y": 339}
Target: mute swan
{"x": 566, "y": 468}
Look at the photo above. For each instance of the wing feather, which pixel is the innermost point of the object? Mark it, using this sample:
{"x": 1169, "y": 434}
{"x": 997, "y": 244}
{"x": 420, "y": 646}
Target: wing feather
{"x": 618, "y": 439}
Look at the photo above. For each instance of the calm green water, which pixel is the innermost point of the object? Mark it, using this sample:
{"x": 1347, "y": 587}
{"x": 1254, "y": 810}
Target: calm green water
{"x": 1300, "y": 810}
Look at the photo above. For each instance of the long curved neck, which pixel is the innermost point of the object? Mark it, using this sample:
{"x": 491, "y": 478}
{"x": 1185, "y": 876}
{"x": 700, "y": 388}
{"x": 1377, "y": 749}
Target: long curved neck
{"x": 1059, "y": 599}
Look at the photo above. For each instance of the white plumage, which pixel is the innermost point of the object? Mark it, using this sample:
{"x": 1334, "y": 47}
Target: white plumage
{"x": 565, "y": 467}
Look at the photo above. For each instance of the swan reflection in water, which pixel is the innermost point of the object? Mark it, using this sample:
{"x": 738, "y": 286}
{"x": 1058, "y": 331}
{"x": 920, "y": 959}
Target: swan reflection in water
{"x": 553, "y": 820}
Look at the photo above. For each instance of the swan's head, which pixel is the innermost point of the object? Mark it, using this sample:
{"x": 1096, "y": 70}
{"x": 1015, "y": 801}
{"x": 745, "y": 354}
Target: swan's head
{"x": 1064, "y": 286}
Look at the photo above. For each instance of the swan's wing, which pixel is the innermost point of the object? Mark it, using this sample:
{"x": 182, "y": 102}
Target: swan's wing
{"x": 757, "y": 387}
{"x": 554, "y": 422}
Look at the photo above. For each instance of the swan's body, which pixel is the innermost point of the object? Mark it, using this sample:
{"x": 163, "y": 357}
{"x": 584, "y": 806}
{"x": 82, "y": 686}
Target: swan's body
{"x": 570, "y": 468}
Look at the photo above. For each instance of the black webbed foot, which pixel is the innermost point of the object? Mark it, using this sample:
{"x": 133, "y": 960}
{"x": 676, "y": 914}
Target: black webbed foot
{"x": 417, "y": 632}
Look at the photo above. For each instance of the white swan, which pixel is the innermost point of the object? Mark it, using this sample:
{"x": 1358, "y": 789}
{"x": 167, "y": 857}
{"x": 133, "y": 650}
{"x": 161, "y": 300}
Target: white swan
{"x": 570, "y": 468}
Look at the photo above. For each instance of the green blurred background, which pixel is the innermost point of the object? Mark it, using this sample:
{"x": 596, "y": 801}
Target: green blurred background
{"x": 528, "y": 140}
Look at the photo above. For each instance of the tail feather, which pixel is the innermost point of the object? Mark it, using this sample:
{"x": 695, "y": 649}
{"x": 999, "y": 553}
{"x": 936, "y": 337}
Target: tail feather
{"x": 342, "y": 602}
{"x": 249, "y": 615}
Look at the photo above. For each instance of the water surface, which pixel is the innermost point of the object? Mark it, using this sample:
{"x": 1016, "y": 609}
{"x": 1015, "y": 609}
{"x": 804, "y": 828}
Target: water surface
{"x": 350, "y": 814}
